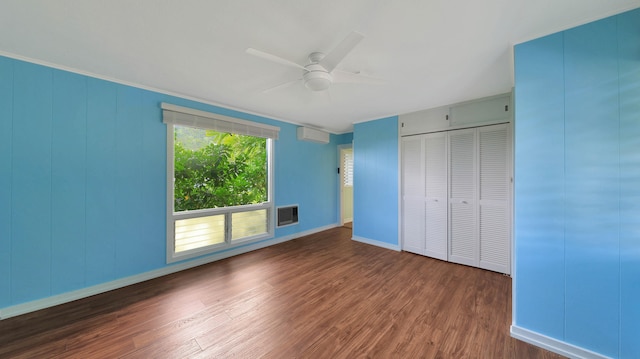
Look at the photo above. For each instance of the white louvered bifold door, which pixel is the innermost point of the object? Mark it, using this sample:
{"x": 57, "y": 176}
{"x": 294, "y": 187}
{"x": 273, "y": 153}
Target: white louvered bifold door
{"x": 456, "y": 196}
{"x": 463, "y": 240}
{"x": 494, "y": 193}
{"x": 413, "y": 239}
{"x": 436, "y": 195}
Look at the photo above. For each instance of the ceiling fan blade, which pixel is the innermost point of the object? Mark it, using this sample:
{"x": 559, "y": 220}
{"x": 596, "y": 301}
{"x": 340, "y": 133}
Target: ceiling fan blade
{"x": 274, "y": 58}
{"x": 281, "y": 86}
{"x": 333, "y": 58}
{"x": 340, "y": 76}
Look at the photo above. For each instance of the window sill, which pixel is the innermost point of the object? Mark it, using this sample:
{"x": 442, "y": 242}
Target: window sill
{"x": 217, "y": 248}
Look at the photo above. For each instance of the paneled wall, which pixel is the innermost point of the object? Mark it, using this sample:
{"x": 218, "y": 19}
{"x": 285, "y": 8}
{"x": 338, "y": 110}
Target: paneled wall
{"x": 577, "y": 187}
{"x": 83, "y": 180}
{"x": 375, "y": 181}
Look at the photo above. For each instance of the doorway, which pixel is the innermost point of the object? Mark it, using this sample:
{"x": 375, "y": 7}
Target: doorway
{"x": 345, "y": 179}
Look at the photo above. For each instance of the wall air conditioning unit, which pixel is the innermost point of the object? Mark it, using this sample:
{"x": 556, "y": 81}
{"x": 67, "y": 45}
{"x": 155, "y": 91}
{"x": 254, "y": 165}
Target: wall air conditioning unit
{"x": 287, "y": 215}
{"x": 312, "y": 135}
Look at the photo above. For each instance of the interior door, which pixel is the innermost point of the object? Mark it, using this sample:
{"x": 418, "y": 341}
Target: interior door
{"x": 463, "y": 240}
{"x": 436, "y": 195}
{"x": 346, "y": 185}
{"x": 494, "y": 193}
{"x": 413, "y": 208}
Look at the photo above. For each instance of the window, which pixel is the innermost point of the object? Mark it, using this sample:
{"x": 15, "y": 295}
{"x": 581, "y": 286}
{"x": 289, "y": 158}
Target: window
{"x": 347, "y": 168}
{"x": 219, "y": 181}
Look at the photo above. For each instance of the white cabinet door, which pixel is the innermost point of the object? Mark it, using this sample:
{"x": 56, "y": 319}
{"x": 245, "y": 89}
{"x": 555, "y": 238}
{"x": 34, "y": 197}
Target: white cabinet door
{"x": 436, "y": 119}
{"x": 463, "y": 240}
{"x": 413, "y": 239}
{"x": 494, "y": 193}
{"x": 436, "y": 195}
{"x": 483, "y": 111}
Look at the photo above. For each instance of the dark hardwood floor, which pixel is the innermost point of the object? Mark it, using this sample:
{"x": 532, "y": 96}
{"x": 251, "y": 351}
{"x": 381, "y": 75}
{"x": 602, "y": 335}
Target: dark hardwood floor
{"x": 321, "y": 296}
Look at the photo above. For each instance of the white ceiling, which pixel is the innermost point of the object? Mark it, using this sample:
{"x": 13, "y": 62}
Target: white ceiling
{"x": 429, "y": 52}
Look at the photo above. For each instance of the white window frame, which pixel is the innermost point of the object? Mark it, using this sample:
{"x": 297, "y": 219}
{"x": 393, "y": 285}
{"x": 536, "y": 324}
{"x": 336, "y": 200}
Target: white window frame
{"x": 182, "y": 116}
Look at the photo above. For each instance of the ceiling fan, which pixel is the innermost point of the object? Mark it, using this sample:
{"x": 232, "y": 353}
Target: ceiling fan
{"x": 321, "y": 70}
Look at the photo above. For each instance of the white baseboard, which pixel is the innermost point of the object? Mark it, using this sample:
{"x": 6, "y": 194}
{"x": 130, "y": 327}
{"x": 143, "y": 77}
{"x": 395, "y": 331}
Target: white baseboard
{"x": 373, "y": 242}
{"x": 54, "y": 300}
{"x": 554, "y": 345}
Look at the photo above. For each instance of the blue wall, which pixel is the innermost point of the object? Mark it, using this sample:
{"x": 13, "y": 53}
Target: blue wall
{"x": 83, "y": 180}
{"x": 375, "y": 180}
{"x": 577, "y": 188}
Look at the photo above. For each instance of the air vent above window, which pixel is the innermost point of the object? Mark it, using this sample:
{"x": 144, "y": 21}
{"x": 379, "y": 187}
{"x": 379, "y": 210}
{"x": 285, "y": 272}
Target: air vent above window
{"x": 287, "y": 215}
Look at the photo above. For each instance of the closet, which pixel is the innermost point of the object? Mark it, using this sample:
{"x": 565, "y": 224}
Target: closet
{"x": 456, "y": 183}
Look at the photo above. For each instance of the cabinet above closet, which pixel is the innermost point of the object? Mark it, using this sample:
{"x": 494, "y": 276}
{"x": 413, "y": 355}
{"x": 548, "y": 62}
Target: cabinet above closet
{"x": 480, "y": 112}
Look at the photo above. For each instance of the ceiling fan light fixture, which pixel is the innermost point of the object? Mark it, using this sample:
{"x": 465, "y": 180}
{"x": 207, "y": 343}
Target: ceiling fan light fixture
{"x": 317, "y": 83}
{"x": 317, "y": 78}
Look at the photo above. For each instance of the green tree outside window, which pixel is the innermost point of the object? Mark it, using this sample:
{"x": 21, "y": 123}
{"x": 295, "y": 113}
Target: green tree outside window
{"x": 215, "y": 169}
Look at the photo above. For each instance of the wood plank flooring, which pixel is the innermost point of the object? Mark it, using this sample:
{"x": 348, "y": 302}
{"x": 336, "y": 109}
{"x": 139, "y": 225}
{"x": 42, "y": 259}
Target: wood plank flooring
{"x": 321, "y": 296}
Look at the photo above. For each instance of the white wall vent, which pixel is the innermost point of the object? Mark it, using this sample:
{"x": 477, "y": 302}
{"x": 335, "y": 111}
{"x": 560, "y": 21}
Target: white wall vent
{"x": 313, "y": 135}
{"x": 287, "y": 215}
